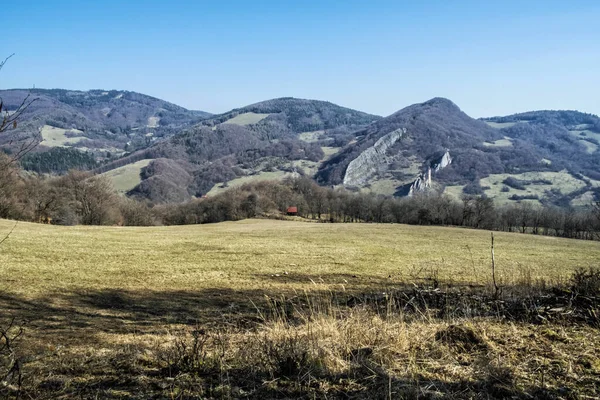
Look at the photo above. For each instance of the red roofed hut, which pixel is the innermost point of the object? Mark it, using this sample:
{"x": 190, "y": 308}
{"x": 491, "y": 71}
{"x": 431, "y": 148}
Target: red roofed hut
{"x": 292, "y": 211}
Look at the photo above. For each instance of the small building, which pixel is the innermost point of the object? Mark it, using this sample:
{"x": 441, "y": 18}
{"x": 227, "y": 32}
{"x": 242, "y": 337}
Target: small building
{"x": 292, "y": 211}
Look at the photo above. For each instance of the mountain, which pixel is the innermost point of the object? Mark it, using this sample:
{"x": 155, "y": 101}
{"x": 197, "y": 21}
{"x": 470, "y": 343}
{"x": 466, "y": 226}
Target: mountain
{"x": 104, "y": 123}
{"x": 271, "y": 139}
{"x": 158, "y": 151}
{"x": 291, "y": 117}
{"x": 542, "y": 156}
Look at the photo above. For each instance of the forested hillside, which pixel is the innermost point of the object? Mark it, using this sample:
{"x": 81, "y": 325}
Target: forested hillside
{"x": 540, "y": 157}
{"x": 275, "y": 138}
{"x": 105, "y": 123}
{"x": 546, "y": 156}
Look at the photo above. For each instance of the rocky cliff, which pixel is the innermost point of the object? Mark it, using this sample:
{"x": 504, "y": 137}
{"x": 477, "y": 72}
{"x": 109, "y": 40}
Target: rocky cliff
{"x": 363, "y": 167}
{"x": 423, "y": 181}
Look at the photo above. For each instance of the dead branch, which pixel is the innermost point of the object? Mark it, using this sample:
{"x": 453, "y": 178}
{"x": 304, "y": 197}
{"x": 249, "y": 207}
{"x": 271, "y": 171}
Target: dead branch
{"x": 9, "y": 233}
{"x": 10, "y": 376}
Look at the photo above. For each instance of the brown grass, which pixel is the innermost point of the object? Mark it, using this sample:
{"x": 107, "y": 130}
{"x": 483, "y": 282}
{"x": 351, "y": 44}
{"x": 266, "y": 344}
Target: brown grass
{"x": 261, "y": 309}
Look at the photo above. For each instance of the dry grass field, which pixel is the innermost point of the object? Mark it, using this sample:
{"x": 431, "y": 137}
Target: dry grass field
{"x": 205, "y": 312}
{"x": 246, "y": 118}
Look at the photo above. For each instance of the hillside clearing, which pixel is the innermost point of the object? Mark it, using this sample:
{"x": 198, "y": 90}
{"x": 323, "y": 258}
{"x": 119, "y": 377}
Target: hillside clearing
{"x": 127, "y": 177}
{"x": 153, "y": 122}
{"x": 58, "y": 137}
{"x": 262, "y": 176}
{"x": 310, "y": 137}
{"x": 506, "y": 142}
{"x": 330, "y": 151}
{"x": 246, "y": 118}
{"x": 562, "y": 180}
{"x": 500, "y": 125}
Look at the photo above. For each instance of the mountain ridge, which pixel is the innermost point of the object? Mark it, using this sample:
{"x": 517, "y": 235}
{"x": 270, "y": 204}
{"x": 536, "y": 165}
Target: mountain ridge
{"x": 550, "y": 156}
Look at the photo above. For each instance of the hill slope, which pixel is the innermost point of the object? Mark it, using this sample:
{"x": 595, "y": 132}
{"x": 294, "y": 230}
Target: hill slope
{"x": 537, "y": 156}
{"x": 97, "y": 121}
{"x": 283, "y": 136}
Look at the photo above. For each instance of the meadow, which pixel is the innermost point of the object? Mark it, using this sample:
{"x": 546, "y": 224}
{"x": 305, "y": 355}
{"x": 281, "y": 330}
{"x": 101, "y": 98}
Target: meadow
{"x": 246, "y": 118}
{"x": 58, "y": 137}
{"x": 127, "y": 177}
{"x": 114, "y": 311}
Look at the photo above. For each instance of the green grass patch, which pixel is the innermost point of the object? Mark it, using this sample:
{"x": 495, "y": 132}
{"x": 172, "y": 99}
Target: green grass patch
{"x": 127, "y": 177}
{"x": 590, "y": 147}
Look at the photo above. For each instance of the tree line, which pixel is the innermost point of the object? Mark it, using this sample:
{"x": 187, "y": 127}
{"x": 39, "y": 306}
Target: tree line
{"x": 83, "y": 198}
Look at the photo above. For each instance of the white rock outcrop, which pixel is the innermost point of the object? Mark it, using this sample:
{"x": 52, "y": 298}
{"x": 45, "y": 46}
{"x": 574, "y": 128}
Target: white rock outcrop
{"x": 443, "y": 162}
{"x": 423, "y": 181}
{"x": 368, "y": 163}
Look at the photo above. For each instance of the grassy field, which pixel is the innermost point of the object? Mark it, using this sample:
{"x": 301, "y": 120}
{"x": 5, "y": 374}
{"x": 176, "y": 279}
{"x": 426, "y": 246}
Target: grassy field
{"x": 246, "y": 118}
{"x": 506, "y": 142}
{"x": 45, "y": 260}
{"x": 456, "y": 191}
{"x": 104, "y": 307}
{"x": 560, "y": 180}
{"x": 127, "y": 177}
{"x": 57, "y": 137}
{"x": 500, "y": 125}
{"x": 262, "y": 176}
{"x": 584, "y": 135}
{"x": 312, "y": 136}
{"x": 330, "y": 151}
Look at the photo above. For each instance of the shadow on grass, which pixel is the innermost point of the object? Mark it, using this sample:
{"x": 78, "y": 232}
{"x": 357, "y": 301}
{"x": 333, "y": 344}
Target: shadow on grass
{"x": 77, "y": 318}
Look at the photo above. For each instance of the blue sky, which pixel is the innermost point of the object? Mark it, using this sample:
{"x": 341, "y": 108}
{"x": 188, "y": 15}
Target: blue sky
{"x": 490, "y": 58}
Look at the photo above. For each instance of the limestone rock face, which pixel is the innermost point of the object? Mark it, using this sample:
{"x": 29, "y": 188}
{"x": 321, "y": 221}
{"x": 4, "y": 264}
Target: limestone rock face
{"x": 423, "y": 181}
{"x": 443, "y": 162}
{"x": 420, "y": 185}
{"x": 369, "y": 161}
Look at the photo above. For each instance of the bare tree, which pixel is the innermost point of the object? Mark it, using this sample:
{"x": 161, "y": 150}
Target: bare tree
{"x": 9, "y": 120}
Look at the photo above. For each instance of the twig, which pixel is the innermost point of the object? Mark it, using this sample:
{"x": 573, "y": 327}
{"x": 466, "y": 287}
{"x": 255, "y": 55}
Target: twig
{"x": 5, "y": 60}
{"x": 8, "y": 234}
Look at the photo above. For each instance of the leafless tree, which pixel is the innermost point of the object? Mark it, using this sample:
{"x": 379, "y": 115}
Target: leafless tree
{"x": 9, "y": 120}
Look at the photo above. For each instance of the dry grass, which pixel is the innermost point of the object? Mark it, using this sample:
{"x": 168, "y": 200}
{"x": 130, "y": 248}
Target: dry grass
{"x": 58, "y": 137}
{"x": 500, "y": 125}
{"x": 311, "y": 136}
{"x": 39, "y": 260}
{"x": 562, "y": 180}
{"x": 127, "y": 177}
{"x": 248, "y": 118}
{"x": 106, "y": 311}
{"x": 259, "y": 177}
{"x": 506, "y": 142}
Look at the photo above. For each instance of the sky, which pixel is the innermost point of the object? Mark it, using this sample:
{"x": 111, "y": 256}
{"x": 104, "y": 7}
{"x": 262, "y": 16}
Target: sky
{"x": 489, "y": 57}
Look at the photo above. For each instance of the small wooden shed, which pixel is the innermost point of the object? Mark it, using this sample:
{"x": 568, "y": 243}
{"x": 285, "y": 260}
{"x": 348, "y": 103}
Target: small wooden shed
{"x": 292, "y": 210}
